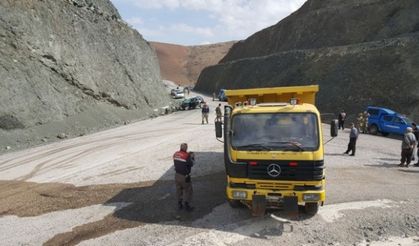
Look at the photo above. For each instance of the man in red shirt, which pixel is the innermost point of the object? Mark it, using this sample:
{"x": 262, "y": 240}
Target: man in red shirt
{"x": 183, "y": 162}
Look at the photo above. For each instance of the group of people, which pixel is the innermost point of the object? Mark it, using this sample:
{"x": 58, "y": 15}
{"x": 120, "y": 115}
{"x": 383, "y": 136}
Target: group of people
{"x": 205, "y": 112}
{"x": 361, "y": 121}
{"x": 410, "y": 142}
{"x": 409, "y": 145}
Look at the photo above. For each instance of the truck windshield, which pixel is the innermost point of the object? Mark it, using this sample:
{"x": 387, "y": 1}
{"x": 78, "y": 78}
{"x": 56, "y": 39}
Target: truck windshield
{"x": 275, "y": 131}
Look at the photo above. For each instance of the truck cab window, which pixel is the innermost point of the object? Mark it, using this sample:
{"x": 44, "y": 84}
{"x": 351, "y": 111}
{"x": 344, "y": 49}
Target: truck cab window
{"x": 388, "y": 118}
{"x": 275, "y": 131}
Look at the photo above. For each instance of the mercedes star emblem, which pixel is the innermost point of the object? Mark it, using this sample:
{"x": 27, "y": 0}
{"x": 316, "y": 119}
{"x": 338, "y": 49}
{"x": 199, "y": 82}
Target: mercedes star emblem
{"x": 274, "y": 170}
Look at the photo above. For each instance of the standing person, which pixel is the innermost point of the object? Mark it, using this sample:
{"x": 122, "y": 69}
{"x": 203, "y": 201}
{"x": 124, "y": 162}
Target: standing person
{"x": 359, "y": 122}
{"x": 205, "y": 112}
{"x": 183, "y": 162}
{"x": 416, "y": 133}
{"x": 408, "y": 144}
{"x": 341, "y": 119}
{"x": 218, "y": 113}
{"x": 365, "y": 122}
{"x": 353, "y": 136}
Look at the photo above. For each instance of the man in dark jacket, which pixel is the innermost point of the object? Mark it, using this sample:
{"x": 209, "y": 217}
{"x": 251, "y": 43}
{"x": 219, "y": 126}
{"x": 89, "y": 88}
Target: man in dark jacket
{"x": 353, "y": 136}
{"x": 218, "y": 113}
{"x": 205, "y": 112}
{"x": 183, "y": 162}
{"x": 341, "y": 119}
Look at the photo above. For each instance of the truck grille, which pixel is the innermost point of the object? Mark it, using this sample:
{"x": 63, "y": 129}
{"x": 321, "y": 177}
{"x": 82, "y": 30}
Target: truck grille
{"x": 273, "y": 186}
{"x": 305, "y": 170}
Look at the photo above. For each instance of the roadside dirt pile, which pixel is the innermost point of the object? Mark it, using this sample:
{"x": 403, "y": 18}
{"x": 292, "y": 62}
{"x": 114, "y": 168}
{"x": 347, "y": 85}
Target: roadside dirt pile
{"x": 70, "y": 67}
{"x": 183, "y": 64}
{"x": 359, "y": 52}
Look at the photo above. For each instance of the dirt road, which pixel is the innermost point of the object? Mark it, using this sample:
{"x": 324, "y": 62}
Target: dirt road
{"x": 115, "y": 188}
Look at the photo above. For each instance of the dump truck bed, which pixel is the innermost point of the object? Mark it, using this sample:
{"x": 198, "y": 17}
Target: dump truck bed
{"x": 305, "y": 94}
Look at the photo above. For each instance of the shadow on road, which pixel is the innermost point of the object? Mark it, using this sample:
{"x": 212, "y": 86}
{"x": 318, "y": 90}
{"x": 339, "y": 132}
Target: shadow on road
{"x": 384, "y": 165}
{"x": 410, "y": 170}
{"x": 157, "y": 203}
{"x": 334, "y": 154}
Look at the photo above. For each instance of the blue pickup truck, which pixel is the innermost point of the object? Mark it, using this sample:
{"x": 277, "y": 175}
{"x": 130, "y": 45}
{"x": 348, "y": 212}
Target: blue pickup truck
{"x": 222, "y": 96}
{"x": 386, "y": 121}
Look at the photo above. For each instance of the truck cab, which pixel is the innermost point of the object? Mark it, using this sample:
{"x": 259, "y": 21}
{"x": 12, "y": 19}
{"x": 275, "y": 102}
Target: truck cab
{"x": 386, "y": 121}
{"x": 273, "y": 149}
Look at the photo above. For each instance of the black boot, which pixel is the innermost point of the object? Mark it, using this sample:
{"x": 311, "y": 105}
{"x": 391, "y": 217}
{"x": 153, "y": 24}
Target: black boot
{"x": 180, "y": 205}
{"x": 188, "y": 207}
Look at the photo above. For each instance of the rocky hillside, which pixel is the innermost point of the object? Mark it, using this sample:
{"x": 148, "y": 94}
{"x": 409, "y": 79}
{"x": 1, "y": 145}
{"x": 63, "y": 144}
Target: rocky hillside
{"x": 359, "y": 52}
{"x": 69, "y": 67}
{"x": 183, "y": 64}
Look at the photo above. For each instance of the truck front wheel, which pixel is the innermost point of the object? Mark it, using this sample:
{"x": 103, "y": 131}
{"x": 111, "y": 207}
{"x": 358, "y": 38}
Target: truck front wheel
{"x": 235, "y": 203}
{"x": 373, "y": 130}
{"x": 311, "y": 208}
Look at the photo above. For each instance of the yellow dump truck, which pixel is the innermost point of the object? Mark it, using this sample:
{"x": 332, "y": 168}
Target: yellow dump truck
{"x": 273, "y": 149}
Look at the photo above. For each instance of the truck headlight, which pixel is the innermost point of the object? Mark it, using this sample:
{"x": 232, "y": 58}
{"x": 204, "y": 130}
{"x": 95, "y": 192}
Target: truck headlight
{"x": 311, "y": 197}
{"x": 239, "y": 194}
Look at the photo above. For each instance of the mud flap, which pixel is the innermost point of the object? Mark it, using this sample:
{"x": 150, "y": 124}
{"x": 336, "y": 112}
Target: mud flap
{"x": 291, "y": 206}
{"x": 258, "y": 205}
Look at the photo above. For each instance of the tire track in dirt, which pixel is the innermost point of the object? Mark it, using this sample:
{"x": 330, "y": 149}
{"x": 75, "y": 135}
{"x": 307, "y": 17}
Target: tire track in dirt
{"x": 41, "y": 155}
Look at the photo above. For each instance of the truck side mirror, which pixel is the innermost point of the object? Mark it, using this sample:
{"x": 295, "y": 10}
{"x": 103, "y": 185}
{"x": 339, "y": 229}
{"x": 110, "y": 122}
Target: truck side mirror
{"x": 334, "y": 128}
{"x": 218, "y": 129}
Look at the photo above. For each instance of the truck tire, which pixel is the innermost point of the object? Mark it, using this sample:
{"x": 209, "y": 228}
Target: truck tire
{"x": 311, "y": 208}
{"x": 235, "y": 203}
{"x": 373, "y": 130}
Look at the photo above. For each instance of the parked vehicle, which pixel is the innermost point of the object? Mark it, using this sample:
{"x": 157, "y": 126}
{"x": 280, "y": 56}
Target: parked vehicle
{"x": 222, "y": 96}
{"x": 178, "y": 94}
{"x": 200, "y": 99}
{"x": 386, "y": 121}
{"x": 190, "y": 103}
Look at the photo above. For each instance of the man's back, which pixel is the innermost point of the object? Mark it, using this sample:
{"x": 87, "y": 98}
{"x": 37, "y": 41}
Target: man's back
{"x": 408, "y": 140}
{"x": 182, "y": 161}
{"x": 218, "y": 111}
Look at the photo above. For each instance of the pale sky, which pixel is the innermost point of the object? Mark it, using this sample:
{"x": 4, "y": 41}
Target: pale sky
{"x": 195, "y": 22}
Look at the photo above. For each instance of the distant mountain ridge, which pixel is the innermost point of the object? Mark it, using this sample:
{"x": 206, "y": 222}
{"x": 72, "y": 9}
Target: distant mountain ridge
{"x": 360, "y": 53}
{"x": 183, "y": 64}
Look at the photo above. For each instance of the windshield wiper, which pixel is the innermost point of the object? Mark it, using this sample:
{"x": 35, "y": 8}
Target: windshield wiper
{"x": 295, "y": 144}
{"x": 254, "y": 147}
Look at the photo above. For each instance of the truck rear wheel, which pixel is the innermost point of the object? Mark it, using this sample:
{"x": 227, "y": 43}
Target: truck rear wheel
{"x": 373, "y": 129}
{"x": 311, "y": 208}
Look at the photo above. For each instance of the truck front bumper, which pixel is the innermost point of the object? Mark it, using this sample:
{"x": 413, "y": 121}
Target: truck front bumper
{"x": 305, "y": 191}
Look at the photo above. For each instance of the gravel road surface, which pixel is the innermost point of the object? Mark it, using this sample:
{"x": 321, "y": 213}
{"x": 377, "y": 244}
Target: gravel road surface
{"x": 116, "y": 188}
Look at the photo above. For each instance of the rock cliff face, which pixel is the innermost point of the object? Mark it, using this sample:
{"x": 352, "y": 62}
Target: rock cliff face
{"x": 74, "y": 63}
{"x": 359, "y": 52}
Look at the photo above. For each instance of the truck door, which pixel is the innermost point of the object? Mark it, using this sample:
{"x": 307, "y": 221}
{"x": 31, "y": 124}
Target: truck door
{"x": 387, "y": 124}
{"x": 399, "y": 125}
